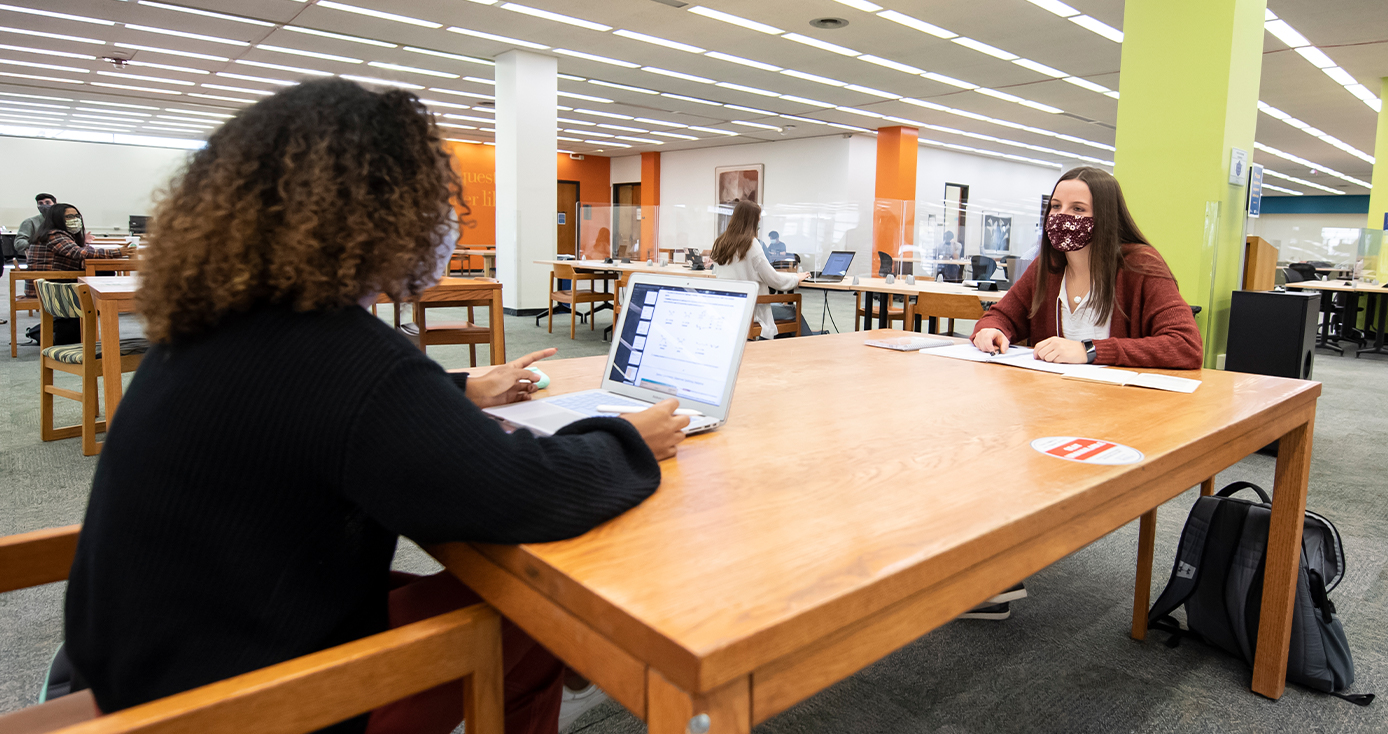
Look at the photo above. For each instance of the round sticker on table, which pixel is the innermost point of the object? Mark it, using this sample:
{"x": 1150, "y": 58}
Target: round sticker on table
{"x": 1087, "y": 450}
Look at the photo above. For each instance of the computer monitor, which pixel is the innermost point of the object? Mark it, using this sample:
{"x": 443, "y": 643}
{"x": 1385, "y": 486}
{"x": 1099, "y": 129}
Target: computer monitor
{"x": 837, "y": 263}
{"x": 138, "y": 224}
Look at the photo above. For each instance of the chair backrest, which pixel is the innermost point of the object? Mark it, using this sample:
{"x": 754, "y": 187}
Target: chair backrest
{"x": 59, "y": 300}
{"x": 18, "y": 276}
{"x": 946, "y": 306}
{"x": 884, "y": 264}
{"x": 1307, "y": 271}
{"x": 563, "y": 272}
{"x": 1291, "y": 276}
{"x": 983, "y": 266}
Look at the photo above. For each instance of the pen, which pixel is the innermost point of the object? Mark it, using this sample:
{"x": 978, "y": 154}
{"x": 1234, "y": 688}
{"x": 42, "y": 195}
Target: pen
{"x": 636, "y": 409}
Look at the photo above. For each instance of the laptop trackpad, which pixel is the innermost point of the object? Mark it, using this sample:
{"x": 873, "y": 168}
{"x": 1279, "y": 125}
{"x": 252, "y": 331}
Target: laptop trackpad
{"x": 540, "y": 417}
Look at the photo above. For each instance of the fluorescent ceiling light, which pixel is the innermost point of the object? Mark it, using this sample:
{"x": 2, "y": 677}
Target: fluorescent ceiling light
{"x": 890, "y": 64}
{"x": 1286, "y": 34}
{"x": 44, "y": 113}
{"x": 1086, "y": 84}
{"x": 862, "y": 5}
{"x": 587, "y": 97}
{"x": 213, "y": 123}
{"x": 981, "y": 47}
{"x": 813, "y": 78}
{"x": 242, "y": 90}
{"x": 105, "y": 111}
{"x": 752, "y": 110}
{"x": 656, "y": 40}
{"x": 628, "y": 87}
{"x": 562, "y": 137}
{"x": 917, "y": 24}
{"x": 441, "y": 90}
{"x": 607, "y": 143}
{"x": 739, "y": 60}
{"x": 1272, "y": 111}
{"x": 167, "y": 67}
{"x": 595, "y": 57}
{"x": 450, "y": 105}
{"x": 38, "y": 77}
{"x": 1040, "y": 68}
{"x": 110, "y": 128}
{"x": 547, "y": 15}
{"x": 873, "y": 92}
{"x": 456, "y": 126}
{"x": 218, "y": 96}
{"x": 446, "y": 55}
{"x": 1279, "y": 188}
{"x": 613, "y": 115}
{"x": 854, "y": 128}
{"x": 592, "y": 133}
{"x": 47, "y": 52}
{"x": 733, "y": 133}
{"x": 1099, "y": 27}
{"x": 941, "y": 78}
{"x": 118, "y": 104}
{"x": 1018, "y": 100}
{"x": 1111, "y": 94}
{"x": 40, "y": 96}
{"x": 480, "y": 80}
{"x": 1315, "y": 56}
{"x": 260, "y": 79}
{"x": 338, "y": 36}
{"x": 1340, "y": 76}
{"x": 282, "y": 67}
{"x": 50, "y": 14}
{"x": 572, "y": 77}
{"x": 412, "y": 69}
{"x": 140, "y": 78}
{"x": 499, "y": 39}
{"x": 652, "y": 121}
{"x": 165, "y": 129}
{"x": 109, "y": 121}
{"x": 749, "y": 90}
{"x": 805, "y": 100}
{"x": 40, "y": 104}
{"x": 673, "y": 135}
{"x": 58, "y": 36}
{"x": 864, "y": 113}
{"x": 469, "y": 118}
{"x": 134, "y": 88}
{"x": 378, "y": 14}
{"x": 207, "y": 13}
{"x": 682, "y": 97}
{"x": 382, "y": 82}
{"x": 182, "y": 34}
{"x": 676, "y": 74}
{"x": 310, "y": 54}
{"x": 736, "y": 20}
{"x": 832, "y": 47}
{"x": 37, "y": 65}
{"x": 623, "y": 128}
{"x": 641, "y": 140}
{"x": 802, "y": 119}
{"x": 1055, "y": 6}
{"x": 171, "y": 52}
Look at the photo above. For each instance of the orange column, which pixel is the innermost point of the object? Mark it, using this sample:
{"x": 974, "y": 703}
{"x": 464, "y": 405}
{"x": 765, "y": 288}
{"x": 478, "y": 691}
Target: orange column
{"x": 650, "y": 203}
{"x": 894, "y": 211}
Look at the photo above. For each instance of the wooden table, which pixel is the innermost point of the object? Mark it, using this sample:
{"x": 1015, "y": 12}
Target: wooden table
{"x": 1377, "y": 303}
{"x": 631, "y": 267}
{"x": 488, "y": 256}
{"x": 742, "y": 587}
{"x": 885, "y": 291}
{"x": 112, "y": 296}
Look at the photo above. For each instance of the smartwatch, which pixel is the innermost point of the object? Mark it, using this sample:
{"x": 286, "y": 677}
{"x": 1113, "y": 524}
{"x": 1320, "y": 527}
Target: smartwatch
{"x": 1090, "y": 353}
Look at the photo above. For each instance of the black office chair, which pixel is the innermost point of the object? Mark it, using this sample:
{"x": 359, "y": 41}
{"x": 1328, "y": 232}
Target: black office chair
{"x": 983, "y": 267}
{"x": 884, "y": 264}
{"x": 1307, "y": 271}
{"x": 1290, "y": 276}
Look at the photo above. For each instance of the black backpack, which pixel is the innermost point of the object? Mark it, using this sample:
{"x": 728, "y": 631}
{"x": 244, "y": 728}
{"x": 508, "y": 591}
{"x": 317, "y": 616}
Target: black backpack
{"x": 1218, "y": 576}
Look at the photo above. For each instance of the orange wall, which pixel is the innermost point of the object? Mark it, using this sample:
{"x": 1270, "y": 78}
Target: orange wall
{"x": 593, "y": 174}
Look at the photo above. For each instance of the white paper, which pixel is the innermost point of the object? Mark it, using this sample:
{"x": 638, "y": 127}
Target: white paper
{"x": 1166, "y": 382}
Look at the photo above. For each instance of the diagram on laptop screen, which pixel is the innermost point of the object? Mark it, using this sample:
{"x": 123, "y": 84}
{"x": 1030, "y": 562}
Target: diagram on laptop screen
{"x": 680, "y": 341}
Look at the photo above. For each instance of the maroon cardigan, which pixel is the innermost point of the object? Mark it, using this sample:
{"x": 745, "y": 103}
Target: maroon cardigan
{"x": 1151, "y": 325}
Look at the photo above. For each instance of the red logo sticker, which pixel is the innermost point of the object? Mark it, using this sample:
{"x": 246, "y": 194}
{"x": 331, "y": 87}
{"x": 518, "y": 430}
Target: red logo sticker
{"x": 1087, "y": 450}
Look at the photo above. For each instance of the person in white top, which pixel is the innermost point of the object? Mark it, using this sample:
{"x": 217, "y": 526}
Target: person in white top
{"x": 734, "y": 258}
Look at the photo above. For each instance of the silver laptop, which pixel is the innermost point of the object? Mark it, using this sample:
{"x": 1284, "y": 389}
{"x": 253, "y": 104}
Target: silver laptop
{"x": 677, "y": 337}
{"x": 835, "y": 267}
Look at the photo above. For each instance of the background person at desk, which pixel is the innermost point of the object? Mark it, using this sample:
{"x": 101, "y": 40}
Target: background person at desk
{"x": 734, "y": 258}
{"x": 1098, "y": 293}
{"x": 30, "y": 227}
{"x": 278, "y": 439}
{"x": 63, "y": 243}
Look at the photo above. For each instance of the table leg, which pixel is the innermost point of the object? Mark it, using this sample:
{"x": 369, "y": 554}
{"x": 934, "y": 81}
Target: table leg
{"x": 884, "y": 317}
{"x": 1381, "y": 320}
{"x": 1207, "y": 487}
{"x": 867, "y": 311}
{"x": 1142, "y": 591}
{"x": 108, "y": 317}
{"x": 669, "y": 710}
{"x": 1283, "y": 559}
{"x": 497, "y": 320}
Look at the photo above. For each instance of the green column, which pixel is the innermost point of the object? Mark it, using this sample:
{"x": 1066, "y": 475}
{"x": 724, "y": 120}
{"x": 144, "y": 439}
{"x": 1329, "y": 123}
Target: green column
{"x": 1378, "y": 195}
{"x": 1188, "y": 96}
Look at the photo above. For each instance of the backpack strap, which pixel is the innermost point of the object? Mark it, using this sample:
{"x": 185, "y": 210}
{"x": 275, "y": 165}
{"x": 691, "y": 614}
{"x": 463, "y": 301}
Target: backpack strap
{"x": 1185, "y": 571}
{"x": 1234, "y": 488}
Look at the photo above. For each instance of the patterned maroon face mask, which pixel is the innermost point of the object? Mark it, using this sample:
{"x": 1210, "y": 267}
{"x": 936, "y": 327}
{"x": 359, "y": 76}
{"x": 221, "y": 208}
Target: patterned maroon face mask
{"x": 1069, "y": 232}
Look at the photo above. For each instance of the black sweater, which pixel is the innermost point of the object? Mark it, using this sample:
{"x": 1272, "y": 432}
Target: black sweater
{"x": 247, "y": 502}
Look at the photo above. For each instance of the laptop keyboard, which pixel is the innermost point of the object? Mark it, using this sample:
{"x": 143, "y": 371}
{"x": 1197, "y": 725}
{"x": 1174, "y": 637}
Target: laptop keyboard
{"x": 587, "y": 402}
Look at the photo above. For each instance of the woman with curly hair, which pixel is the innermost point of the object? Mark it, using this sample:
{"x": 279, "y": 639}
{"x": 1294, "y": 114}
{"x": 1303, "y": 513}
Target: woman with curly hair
{"x": 278, "y": 440}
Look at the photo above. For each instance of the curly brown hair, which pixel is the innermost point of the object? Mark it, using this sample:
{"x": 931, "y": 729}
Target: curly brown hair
{"x": 313, "y": 198}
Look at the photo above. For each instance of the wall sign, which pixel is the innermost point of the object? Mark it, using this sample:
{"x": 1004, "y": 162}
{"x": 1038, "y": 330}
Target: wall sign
{"x": 1238, "y": 166}
{"x": 1255, "y": 190}
{"x": 1087, "y": 450}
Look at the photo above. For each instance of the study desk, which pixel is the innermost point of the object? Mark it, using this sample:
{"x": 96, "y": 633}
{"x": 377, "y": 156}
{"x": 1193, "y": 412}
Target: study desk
{"x": 632, "y": 267}
{"x": 742, "y": 587}
{"x": 884, "y": 292}
{"x": 112, "y": 295}
{"x": 488, "y": 256}
{"x": 1378, "y": 304}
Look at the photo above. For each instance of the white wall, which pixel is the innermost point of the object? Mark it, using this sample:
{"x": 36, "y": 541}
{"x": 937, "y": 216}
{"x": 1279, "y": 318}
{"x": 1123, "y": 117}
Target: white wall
{"x": 1300, "y": 236}
{"x": 626, "y": 169}
{"x": 1008, "y": 188}
{"x": 106, "y": 182}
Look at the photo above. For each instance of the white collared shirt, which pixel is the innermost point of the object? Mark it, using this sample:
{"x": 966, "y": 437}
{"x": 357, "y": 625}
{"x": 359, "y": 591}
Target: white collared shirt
{"x": 1083, "y": 322}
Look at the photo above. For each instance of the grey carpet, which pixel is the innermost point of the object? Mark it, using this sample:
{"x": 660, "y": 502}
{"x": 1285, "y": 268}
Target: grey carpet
{"x": 1062, "y": 663}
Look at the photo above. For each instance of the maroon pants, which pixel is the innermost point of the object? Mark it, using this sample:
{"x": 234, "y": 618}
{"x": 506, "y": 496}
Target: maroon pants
{"x": 534, "y": 677}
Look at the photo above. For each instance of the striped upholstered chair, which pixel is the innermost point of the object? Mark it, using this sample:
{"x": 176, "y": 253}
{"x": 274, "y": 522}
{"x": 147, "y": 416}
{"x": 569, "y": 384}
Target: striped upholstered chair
{"x": 65, "y": 301}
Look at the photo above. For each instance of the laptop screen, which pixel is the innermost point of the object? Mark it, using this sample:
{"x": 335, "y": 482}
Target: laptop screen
{"x": 680, "y": 341}
{"x": 837, "y": 264}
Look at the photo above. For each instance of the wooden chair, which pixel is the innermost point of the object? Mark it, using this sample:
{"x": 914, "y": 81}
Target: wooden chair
{"x": 942, "y": 306}
{"x": 469, "y": 293}
{"x": 574, "y": 296}
{"x": 119, "y": 266}
{"x": 300, "y": 695}
{"x": 84, "y": 359}
{"x": 783, "y": 326}
{"x": 20, "y": 302}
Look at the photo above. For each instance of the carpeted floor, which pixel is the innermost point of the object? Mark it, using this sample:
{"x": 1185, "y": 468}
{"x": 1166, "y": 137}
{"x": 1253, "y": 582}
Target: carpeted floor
{"x": 1062, "y": 663}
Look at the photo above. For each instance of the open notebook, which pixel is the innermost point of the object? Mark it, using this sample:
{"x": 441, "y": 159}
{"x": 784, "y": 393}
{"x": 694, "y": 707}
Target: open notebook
{"x": 1024, "y": 358}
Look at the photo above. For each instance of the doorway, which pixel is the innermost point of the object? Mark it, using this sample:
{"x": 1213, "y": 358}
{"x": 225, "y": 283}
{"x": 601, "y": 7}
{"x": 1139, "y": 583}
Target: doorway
{"x": 956, "y": 216}
{"x": 626, "y": 219}
{"x": 566, "y": 238}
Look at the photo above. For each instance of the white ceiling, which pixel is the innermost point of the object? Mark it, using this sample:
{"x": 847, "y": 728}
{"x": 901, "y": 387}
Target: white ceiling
{"x": 1353, "y": 32}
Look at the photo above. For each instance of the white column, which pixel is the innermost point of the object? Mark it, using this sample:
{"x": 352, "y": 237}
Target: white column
{"x": 527, "y": 86}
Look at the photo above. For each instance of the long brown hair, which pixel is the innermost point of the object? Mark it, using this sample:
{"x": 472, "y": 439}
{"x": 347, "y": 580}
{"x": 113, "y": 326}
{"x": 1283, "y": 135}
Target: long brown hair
{"x": 313, "y": 198}
{"x": 736, "y": 240}
{"x": 1113, "y": 229}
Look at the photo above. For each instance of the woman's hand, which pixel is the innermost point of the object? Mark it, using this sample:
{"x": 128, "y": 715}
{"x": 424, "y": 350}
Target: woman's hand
{"x": 88, "y": 239}
{"x": 802, "y": 276}
{"x": 127, "y": 251}
{"x": 509, "y": 383}
{"x": 660, "y": 427}
{"x": 991, "y": 341}
{"x": 1061, "y": 351}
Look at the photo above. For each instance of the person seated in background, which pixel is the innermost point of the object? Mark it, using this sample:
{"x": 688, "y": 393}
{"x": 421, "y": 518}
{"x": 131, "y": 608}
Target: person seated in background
{"x": 278, "y": 440}
{"x": 62, "y": 242}
{"x": 30, "y": 227}
{"x": 775, "y": 248}
{"x": 734, "y": 258}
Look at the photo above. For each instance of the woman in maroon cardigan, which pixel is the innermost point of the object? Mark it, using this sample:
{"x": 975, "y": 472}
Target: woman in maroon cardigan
{"x": 1104, "y": 296}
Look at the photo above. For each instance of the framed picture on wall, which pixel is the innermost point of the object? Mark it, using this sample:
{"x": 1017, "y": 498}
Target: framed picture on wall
{"x": 737, "y": 183}
{"x": 997, "y": 233}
